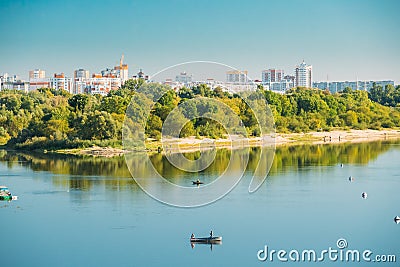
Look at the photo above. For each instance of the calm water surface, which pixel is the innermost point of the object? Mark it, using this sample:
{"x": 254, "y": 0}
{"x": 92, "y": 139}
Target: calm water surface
{"x": 82, "y": 211}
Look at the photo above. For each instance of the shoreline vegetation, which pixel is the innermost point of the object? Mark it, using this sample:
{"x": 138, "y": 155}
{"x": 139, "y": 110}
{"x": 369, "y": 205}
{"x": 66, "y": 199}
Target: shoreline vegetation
{"x": 49, "y": 120}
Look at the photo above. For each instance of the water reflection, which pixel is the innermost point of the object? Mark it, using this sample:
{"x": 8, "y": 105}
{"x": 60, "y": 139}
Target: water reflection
{"x": 84, "y": 172}
{"x": 193, "y": 244}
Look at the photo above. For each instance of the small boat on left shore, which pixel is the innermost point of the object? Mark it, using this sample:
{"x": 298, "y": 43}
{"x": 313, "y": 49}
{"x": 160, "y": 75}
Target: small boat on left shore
{"x": 5, "y": 194}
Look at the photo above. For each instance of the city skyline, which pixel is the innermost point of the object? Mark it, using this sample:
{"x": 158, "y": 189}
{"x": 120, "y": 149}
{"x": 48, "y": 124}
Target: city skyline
{"x": 343, "y": 40}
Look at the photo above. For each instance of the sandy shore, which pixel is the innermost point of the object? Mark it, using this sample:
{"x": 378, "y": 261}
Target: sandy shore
{"x": 334, "y": 137}
{"x": 279, "y": 139}
{"x": 192, "y": 144}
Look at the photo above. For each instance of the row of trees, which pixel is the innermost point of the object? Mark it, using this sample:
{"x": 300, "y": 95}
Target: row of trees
{"x": 48, "y": 116}
{"x": 302, "y": 110}
{"x": 388, "y": 96}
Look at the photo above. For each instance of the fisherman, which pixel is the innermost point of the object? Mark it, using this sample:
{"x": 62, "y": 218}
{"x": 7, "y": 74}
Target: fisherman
{"x": 192, "y": 236}
{"x": 211, "y": 234}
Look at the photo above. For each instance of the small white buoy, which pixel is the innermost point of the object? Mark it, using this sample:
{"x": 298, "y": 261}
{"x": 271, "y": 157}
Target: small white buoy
{"x": 397, "y": 219}
{"x": 364, "y": 195}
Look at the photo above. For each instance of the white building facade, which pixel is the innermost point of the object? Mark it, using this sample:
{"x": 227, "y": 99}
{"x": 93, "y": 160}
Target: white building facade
{"x": 37, "y": 74}
{"x": 303, "y": 75}
{"x": 60, "y": 82}
{"x": 237, "y": 76}
{"x": 102, "y": 85}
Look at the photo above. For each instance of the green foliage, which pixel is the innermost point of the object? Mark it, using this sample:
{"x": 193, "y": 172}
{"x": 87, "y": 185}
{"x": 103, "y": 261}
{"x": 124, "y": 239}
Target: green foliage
{"x": 55, "y": 118}
{"x": 78, "y": 102}
{"x": 390, "y": 96}
{"x": 98, "y": 125}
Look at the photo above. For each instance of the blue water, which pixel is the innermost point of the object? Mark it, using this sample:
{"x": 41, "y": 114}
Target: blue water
{"x": 66, "y": 219}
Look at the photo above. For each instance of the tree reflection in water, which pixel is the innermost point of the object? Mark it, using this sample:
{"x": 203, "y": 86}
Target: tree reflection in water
{"x": 83, "y": 172}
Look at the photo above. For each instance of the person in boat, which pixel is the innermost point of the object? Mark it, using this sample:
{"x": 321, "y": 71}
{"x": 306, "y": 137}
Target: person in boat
{"x": 192, "y": 236}
{"x": 211, "y": 234}
{"x": 198, "y": 181}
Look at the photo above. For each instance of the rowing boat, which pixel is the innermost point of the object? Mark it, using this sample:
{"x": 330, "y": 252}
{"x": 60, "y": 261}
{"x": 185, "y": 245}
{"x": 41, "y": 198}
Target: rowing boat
{"x": 206, "y": 240}
{"x": 197, "y": 182}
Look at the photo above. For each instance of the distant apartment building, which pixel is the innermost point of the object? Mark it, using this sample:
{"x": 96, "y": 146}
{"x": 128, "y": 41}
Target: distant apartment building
{"x": 37, "y": 79}
{"x": 237, "y": 76}
{"x": 60, "y": 82}
{"x": 35, "y": 84}
{"x": 122, "y": 71}
{"x": 183, "y": 78}
{"x": 81, "y": 74}
{"x": 280, "y": 86}
{"x": 303, "y": 75}
{"x": 6, "y": 80}
{"x": 81, "y": 79}
{"x": 37, "y": 74}
{"x": 99, "y": 84}
{"x": 337, "y": 86}
{"x": 13, "y": 83}
{"x": 275, "y": 80}
{"x": 272, "y": 75}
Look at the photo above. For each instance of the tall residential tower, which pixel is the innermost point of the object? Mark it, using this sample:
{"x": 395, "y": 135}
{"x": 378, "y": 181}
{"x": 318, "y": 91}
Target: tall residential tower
{"x": 303, "y": 75}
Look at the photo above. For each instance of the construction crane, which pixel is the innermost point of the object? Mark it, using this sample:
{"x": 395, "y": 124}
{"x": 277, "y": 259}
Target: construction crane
{"x": 121, "y": 62}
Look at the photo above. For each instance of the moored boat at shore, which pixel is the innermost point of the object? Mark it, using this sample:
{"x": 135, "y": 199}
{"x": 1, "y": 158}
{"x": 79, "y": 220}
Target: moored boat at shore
{"x": 5, "y": 193}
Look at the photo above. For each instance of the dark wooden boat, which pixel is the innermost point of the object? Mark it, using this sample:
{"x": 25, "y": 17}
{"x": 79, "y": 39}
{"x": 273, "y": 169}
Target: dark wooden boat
{"x": 206, "y": 240}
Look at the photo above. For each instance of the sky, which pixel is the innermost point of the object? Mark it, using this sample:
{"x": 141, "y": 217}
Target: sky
{"x": 341, "y": 39}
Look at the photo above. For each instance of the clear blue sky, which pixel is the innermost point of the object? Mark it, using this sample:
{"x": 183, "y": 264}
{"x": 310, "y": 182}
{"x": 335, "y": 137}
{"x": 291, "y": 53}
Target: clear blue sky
{"x": 344, "y": 39}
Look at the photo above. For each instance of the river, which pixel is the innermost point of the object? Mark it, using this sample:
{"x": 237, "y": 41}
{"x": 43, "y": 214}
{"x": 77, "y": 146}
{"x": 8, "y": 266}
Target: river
{"x": 87, "y": 211}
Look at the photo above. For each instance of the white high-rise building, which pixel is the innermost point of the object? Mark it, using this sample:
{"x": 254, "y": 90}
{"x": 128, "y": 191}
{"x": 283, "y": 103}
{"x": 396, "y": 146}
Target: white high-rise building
{"x": 81, "y": 79}
{"x": 60, "y": 82}
{"x": 303, "y": 75}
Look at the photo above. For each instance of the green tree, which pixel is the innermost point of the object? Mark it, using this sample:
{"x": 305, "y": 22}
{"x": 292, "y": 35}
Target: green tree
{"x": 78, "y": 102}
{"x": 98, "y": 125}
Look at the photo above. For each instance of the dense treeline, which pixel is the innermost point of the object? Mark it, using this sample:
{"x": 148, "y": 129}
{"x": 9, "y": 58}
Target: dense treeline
{"x": 302, "y": 110}
{"x": 388, "y": 96}
{"x": 50, "y": 119}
